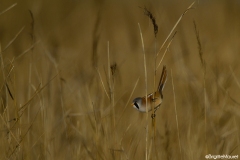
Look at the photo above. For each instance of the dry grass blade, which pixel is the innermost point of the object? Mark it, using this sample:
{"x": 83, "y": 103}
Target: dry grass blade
{"x": 235, "y": 124}
{"x": 9, "y": 91}
{"x": 8, "y": 8}
{"x": 84, "y": 143}
{"x": 237, "y": 146}
{"x": 125, "y": 133}
{"x": 128, "y": 100}
{"x": 38, "y": 139}
{"x": 26, "y": 133}
{"x": 111, "y": 85}
{"x": 175, "y": 107}
{"x": 150, "y": 149}
{"x": 39, "y": 89}
{"x": 102, "y": 83}
{"x": 109, "y": 75}
{"x": 166, "y": 50}
{"x": 9, "y": 129}
{"x": 27, "y": 50}
{"x": 5, "y": 80}
{"x": 145, "y": 74}
{"x": 180, "y": 18}
{"x": 14, "y": 38}
{"x": 199, "y": 45}
{"x": 204, "y": 80}
{"x": 9, "y": 72}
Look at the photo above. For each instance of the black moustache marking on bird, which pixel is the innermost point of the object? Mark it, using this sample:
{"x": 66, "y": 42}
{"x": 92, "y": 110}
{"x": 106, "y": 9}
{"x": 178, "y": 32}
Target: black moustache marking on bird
{"x": 135, "y": 104}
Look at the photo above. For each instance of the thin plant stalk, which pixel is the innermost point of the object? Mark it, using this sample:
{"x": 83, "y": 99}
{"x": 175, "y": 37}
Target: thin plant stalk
{"x": 165, "y": 51}
{"x": 175, "y": 107}
{"x": 128, "y": 101}
{"x": 13, "y": 5}
{"x": 154, "y": 86}
{"x": 174, "y": 27}
{"x": 111, "y": 87}
{"x": 205, "y": 111}
{"x": 200, "y": 52}
{"x": 6, "y": 92}
{"x": 104, "y": 88}
{"x": 14, "y": 38}
{"x": 30, "y": 72}
{"x": 145, "y": 73}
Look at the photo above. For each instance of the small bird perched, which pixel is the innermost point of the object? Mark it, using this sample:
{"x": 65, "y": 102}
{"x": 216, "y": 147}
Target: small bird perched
{"x": 153, "y": 101}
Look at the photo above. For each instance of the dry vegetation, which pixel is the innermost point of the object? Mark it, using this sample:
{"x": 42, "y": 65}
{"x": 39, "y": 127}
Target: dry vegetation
{"x": 70, "y": 69}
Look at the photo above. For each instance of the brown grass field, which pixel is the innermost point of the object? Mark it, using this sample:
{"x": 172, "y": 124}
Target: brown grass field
{"x": 70, "y": 70}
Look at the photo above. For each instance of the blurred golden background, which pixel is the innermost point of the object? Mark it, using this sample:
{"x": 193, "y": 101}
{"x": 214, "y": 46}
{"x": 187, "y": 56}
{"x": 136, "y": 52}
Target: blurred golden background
{"x": 58, "y": 102}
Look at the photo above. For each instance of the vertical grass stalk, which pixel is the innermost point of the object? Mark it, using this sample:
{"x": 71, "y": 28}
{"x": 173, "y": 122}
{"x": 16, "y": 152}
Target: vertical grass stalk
{"x": 145, "y": 73}
{"x": 175, "y": 107}
{"x": 111, "y": 87}
{"x": 6, "y": 92}
{"x": 203, "y": 64}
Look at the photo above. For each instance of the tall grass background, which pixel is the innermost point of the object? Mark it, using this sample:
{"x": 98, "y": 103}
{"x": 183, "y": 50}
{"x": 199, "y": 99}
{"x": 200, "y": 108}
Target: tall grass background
{"x": 70, "y": 69}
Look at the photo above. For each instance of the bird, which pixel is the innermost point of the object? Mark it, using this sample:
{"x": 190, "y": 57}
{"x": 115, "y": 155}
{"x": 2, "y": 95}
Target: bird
{"x": 154, "y": 100}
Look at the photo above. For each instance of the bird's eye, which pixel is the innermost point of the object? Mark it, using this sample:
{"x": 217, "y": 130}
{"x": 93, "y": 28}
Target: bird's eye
{"x": 135, "y": 104}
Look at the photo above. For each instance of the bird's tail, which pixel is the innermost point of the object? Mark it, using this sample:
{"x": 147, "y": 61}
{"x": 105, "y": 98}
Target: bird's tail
{"x": 163, "y": 80}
